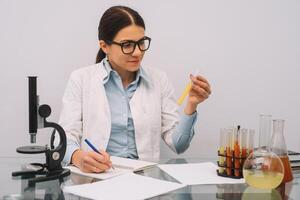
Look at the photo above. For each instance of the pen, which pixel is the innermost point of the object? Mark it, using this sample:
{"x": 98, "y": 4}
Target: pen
{"x": 94, "y": 148}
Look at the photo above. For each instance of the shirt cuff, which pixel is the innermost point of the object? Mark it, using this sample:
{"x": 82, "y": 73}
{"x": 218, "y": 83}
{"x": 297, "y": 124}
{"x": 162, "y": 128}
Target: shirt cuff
{"x": 71, "y": 147}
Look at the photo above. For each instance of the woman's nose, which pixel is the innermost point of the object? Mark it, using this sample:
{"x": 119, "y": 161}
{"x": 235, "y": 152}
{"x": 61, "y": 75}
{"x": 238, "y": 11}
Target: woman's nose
{"x": 137, "y": 51}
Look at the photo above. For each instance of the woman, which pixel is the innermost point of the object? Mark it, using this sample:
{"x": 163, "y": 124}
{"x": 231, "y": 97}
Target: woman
{"x": 122, "y": 108}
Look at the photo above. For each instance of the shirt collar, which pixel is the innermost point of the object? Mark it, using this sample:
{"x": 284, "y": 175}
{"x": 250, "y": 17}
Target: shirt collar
{"x": 141, "y": 73}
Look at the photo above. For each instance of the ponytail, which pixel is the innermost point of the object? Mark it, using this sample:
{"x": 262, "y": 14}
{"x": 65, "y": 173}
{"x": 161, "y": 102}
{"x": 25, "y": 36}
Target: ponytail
{"x": 100, "y": 55}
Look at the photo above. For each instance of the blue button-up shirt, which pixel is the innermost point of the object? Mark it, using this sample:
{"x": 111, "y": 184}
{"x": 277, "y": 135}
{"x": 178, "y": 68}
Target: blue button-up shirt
{"x": 122, "y": 140}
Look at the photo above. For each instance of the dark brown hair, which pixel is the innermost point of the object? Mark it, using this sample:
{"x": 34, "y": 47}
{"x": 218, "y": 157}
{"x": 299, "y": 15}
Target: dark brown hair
{"x": 112, "y": 21}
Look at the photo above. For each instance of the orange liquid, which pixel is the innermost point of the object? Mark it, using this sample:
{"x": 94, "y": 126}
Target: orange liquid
{"x": 228, "y": 161}
{"x": 244, "y": 155}
{"x": 237, "y": 160}
{"x": 244, "y": 152}
{"x": 288, "y": 175}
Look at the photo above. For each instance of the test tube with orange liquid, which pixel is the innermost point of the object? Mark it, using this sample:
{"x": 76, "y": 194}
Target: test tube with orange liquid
{"x": 237, "y": 153}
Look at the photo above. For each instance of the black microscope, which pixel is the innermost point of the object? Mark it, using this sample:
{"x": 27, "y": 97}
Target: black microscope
{"x": 52, "y": 169}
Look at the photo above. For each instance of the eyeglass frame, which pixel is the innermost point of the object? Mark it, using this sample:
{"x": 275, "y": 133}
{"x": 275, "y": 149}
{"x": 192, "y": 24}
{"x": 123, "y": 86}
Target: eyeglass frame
{"x": 136, "y": 43}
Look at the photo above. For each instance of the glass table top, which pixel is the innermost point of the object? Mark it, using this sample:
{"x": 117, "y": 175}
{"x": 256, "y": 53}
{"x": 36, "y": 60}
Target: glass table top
{"x": 17, "y": 188}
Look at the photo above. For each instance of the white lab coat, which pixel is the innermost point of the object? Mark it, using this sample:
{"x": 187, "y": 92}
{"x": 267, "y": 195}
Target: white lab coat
{"x": 86, "y": 112}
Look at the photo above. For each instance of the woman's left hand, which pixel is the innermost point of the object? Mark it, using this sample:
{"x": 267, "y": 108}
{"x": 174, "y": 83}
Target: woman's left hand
{"x": 200, "y": 90}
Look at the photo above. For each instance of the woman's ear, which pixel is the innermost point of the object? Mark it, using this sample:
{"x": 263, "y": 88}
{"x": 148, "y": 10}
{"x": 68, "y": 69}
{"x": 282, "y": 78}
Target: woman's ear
{"x": 103, "y": 46}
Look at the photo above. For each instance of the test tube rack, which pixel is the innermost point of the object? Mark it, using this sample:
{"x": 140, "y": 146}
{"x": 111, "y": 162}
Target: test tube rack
{"x": 229, "y": 166}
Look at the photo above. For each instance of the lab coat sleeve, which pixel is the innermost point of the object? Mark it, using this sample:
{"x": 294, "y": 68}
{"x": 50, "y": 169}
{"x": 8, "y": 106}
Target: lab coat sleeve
{"x": 71, "y": 115}
{"x": 176, "y": 133}
{"x": 169, "y": 111}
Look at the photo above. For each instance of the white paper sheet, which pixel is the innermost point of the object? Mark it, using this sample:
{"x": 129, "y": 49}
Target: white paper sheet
{"x": 103, "y": 175}
{"x": 128, "y": 186}
{"x": 197, "y": 173}
{"x": 132, "y": 164}
{"x": 121, "y": 166}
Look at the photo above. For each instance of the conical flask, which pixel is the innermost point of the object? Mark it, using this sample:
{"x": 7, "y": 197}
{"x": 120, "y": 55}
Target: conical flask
{"x": 278, "y": 146}
{"x": 263, "y": 169}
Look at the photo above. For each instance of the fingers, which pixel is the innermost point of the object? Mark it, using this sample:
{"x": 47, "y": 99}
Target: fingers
{"x": 103, "y": 158}
{"x": 106, "y": 157}
{"x": 98, "y": 157}
{"x": 90, "y": 168}
{"x": 200, "y": 78}
{"x": 201, "y": 85}
{"x": 199, "y": 91}
{"x": 92, "y": 164}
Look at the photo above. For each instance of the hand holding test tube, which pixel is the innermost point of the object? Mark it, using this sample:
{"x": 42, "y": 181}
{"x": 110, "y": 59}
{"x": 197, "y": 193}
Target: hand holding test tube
{"x": 199, "y": 86}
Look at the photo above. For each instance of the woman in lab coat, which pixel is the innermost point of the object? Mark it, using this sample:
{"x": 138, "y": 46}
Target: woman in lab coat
{"x": 122, "y": 107}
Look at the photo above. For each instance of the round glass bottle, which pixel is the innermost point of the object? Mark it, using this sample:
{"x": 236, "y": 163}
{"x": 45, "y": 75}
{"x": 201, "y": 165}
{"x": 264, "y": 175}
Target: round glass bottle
{"x": 263, "y": 168}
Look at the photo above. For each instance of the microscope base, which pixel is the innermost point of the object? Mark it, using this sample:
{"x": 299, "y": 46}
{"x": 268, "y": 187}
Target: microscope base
{"x": 41, "y": 175}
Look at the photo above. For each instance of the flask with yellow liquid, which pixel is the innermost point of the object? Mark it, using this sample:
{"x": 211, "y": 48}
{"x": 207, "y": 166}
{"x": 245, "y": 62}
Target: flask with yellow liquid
{"x": 263, "y": 168}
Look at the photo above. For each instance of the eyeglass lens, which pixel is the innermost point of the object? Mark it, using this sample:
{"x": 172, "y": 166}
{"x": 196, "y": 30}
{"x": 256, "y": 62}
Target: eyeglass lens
{"x": 129, "y": 47}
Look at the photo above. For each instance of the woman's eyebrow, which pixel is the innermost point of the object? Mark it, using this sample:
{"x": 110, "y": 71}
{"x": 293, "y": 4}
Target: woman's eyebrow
{"x": 128, "y": 40}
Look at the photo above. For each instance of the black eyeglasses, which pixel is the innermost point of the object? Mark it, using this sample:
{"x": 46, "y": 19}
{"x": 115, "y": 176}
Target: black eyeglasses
{"x": 128, "y": 46}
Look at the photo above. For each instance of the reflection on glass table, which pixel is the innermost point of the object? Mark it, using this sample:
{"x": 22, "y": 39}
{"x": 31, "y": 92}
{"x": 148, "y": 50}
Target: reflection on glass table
{"x": 18, "y": 189}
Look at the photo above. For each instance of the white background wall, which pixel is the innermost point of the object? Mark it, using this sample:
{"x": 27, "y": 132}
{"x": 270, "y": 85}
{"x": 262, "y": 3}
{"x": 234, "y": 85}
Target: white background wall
{"x": 249, "y": 51}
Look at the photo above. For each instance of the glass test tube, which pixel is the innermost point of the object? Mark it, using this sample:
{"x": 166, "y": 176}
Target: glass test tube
{"x": 243, "y": 139}
{"x": 250, "y": 141}
{"x": 185, "y": 93}
{"x": 237, "y": 153}
{"x": 222, "y": 147}
{"x": 186, "y": 90}
{"x": 229, "y": 150}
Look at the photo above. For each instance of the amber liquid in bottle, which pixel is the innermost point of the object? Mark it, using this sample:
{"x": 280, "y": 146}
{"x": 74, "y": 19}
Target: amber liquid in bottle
{"x": 278, "y": 146}
{"x": 288, "y": 175}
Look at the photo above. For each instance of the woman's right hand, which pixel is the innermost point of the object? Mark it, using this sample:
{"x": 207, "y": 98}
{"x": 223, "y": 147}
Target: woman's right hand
{"x": 90, "y": 161}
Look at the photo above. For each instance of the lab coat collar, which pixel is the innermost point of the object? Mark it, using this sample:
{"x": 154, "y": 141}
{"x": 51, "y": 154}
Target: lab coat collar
{"x": 106, "y": 70}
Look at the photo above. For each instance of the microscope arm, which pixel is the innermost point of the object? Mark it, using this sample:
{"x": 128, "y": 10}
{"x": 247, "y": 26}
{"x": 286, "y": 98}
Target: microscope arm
{"x": 56, "y": 155}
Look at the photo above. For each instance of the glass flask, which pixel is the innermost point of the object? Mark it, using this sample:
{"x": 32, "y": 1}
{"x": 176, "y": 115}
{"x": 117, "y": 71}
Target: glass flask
{"x": 263, "y": 169}
{"x": 278, "y": 146}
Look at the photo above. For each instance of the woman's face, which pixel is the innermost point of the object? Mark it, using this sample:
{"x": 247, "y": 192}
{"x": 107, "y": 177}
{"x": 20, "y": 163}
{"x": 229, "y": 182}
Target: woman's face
{"x": 119, "y": 60}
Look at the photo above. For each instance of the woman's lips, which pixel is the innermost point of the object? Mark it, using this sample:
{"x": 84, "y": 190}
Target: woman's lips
{"x": 133, "y": 61}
